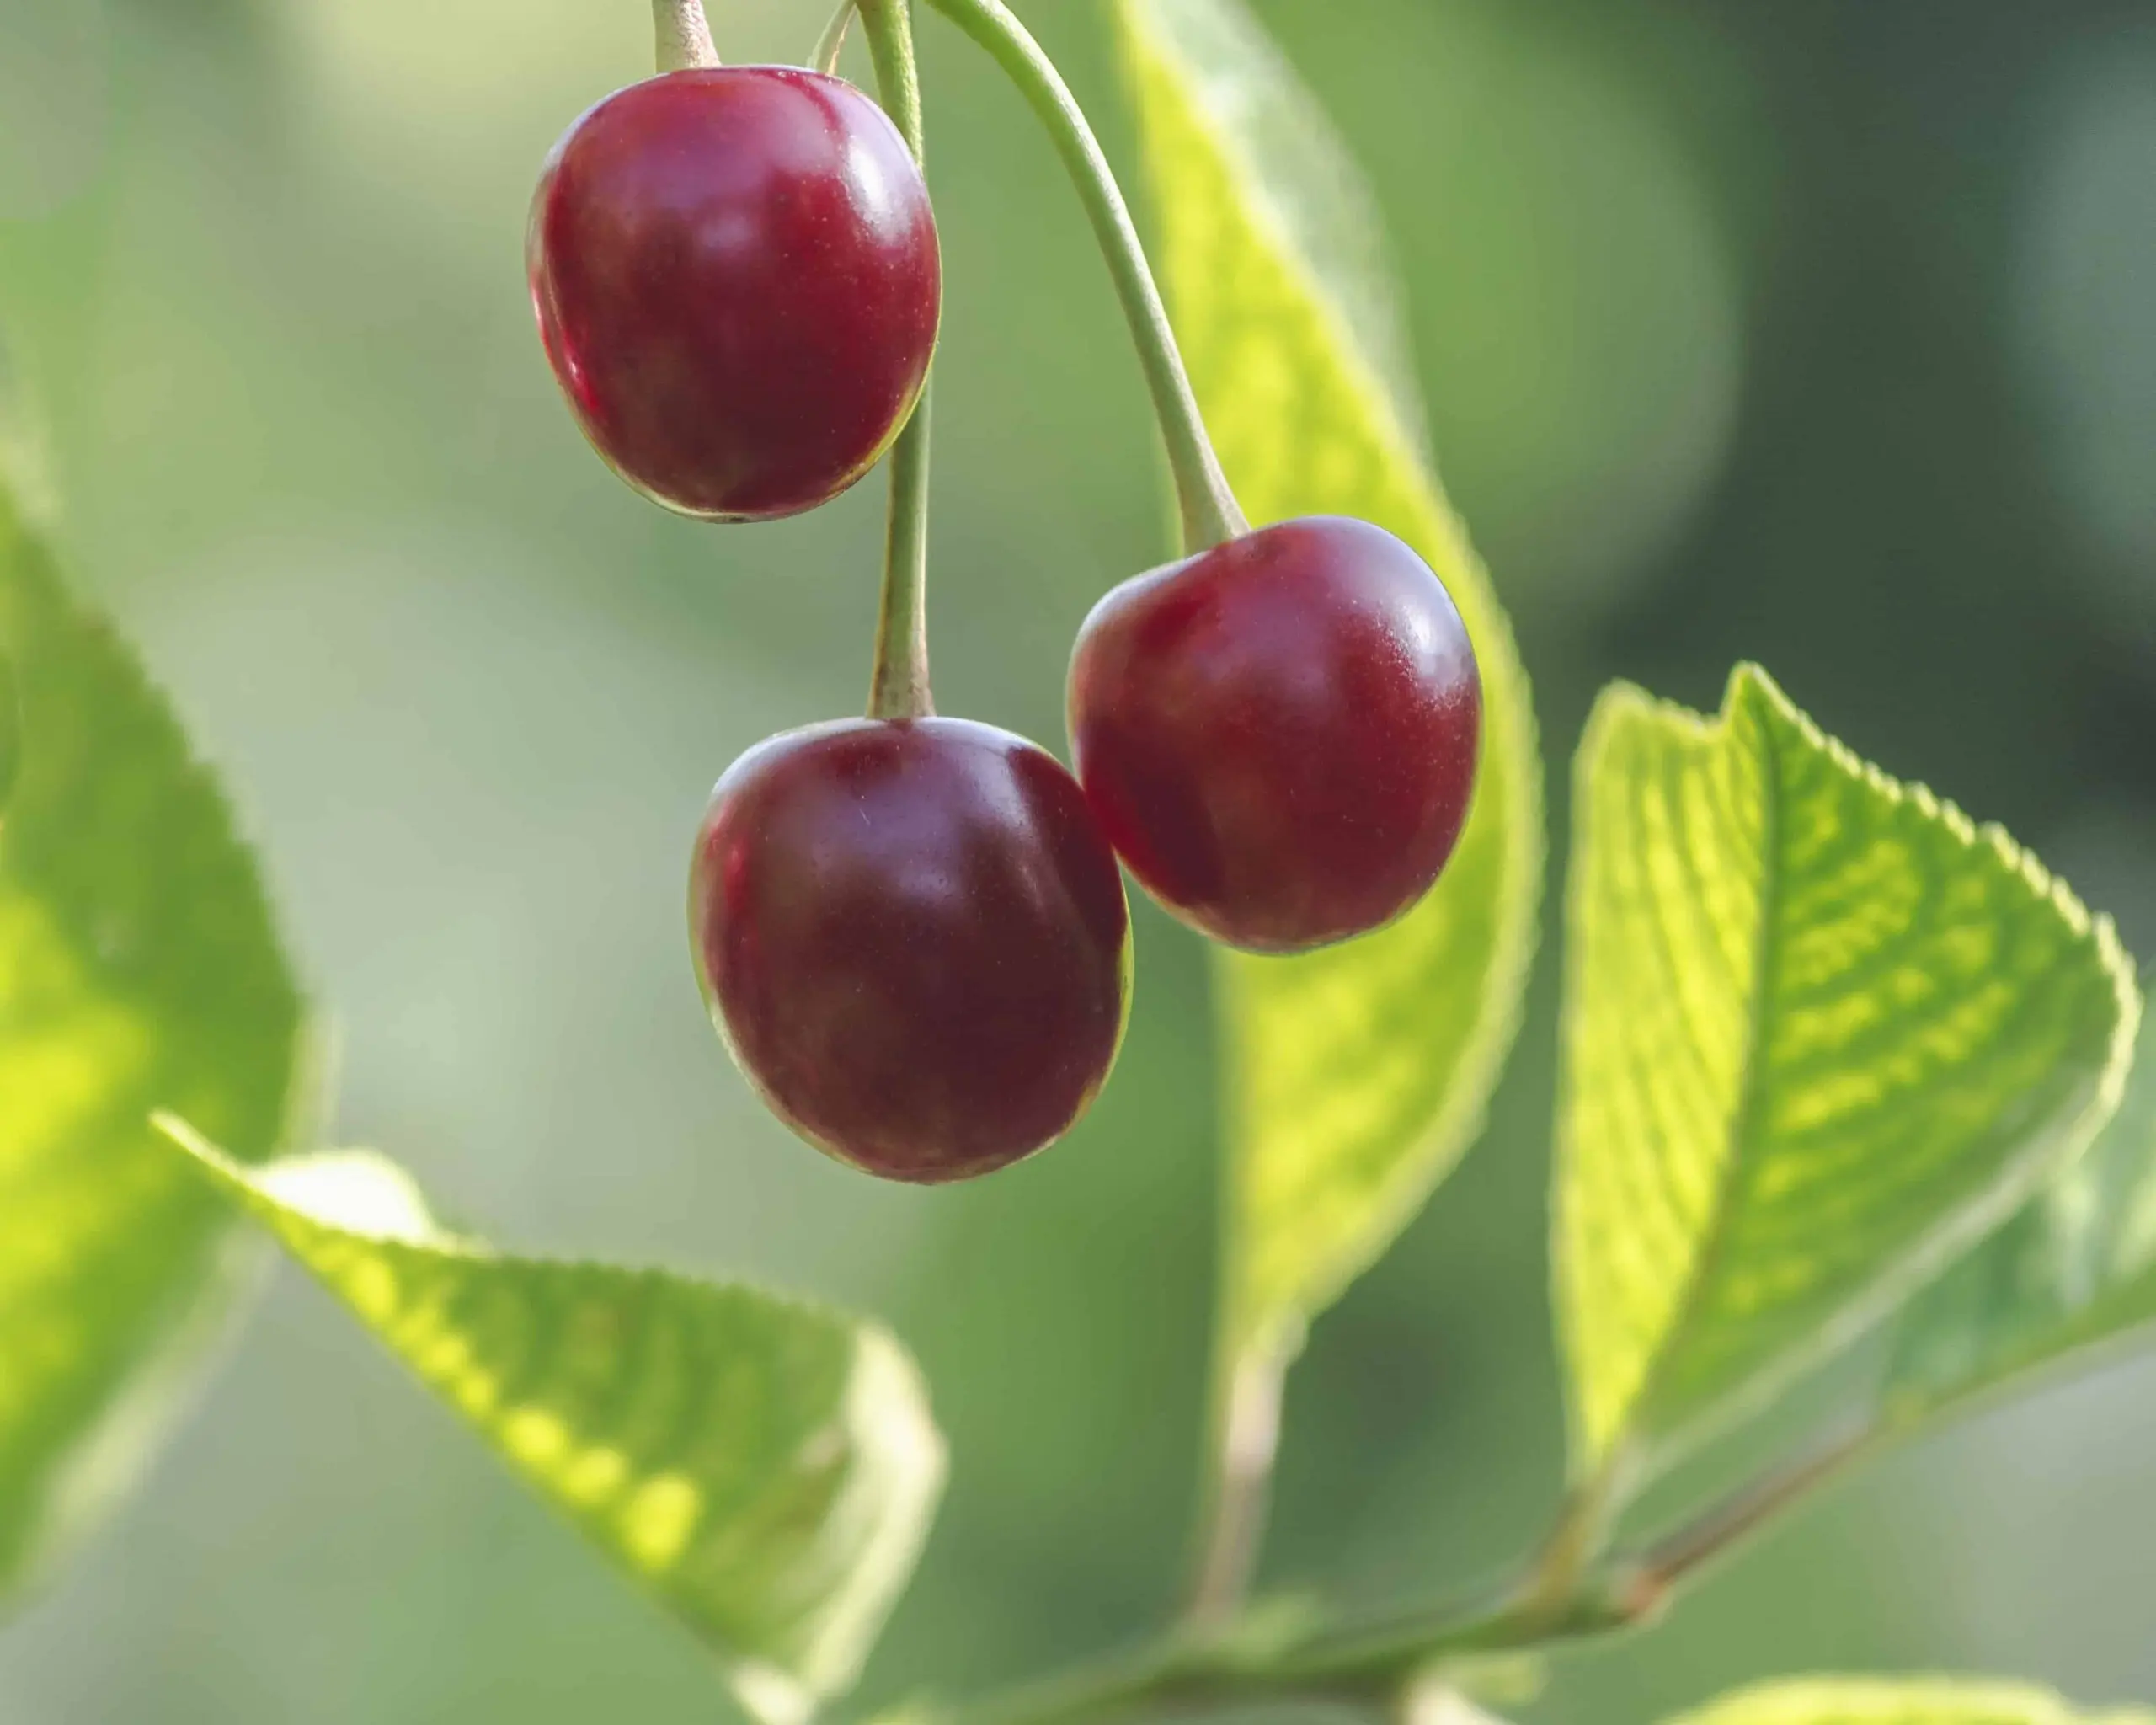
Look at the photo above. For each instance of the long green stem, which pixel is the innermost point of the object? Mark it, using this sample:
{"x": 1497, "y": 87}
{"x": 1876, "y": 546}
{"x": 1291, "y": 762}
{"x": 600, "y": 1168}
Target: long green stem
{"x": 898, "y": 685}
{"x": 684, "y": 34}
{"x": 1208, "y": 506}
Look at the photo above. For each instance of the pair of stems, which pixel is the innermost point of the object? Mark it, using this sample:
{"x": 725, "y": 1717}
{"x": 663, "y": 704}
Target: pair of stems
{"x": 900, "y": 684}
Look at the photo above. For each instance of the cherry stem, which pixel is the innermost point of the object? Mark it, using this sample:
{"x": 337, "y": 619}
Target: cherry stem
{"x": 898, "y": 685}
{"x": 1210, "y": 512}
{"x": 684, "y": 34}
{"x": 832, "y": 42}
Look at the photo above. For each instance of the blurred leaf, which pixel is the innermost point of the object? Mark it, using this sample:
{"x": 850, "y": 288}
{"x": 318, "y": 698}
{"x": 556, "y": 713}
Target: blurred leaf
{"x": 1914, "y": 1701}
{"x": 25, "y": 461}
{"x": 1822, "y": 1033}
{"x": 767, "y": 1470}
{"x": 139, "y": 969}
{"x": 2073, "y": 1271}
{"x": 10, "y": 731}
{"x": 1356, "y": 1076}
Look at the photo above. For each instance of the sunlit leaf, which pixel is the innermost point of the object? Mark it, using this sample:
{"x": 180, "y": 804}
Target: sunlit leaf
{"x": 138, "y": 969}
{"x": 767, "y": 1470}
{"x": 1822, "y": 1033}
{"x": 1355, "y": 1076}
{"x": 2073, "y": 1274}
{"x": 1910, "y": 1701}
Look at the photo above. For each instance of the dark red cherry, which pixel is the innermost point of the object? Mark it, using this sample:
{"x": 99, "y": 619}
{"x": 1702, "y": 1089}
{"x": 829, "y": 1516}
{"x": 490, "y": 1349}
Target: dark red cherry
{"x": 736, "y": 276}
{"x": 1280, "y": 734}
{"x": 913, "y": 937}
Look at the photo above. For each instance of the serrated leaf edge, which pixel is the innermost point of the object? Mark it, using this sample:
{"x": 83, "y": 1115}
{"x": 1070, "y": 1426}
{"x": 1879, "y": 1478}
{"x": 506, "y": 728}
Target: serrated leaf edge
{"x": 1633, "y": 1460}
{"x": 775, "y": 1695}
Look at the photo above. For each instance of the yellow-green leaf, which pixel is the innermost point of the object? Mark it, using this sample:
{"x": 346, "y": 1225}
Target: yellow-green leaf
{"x": 2072, "y": 1274}
{"x": 139, "y": 969}
{"x": 1904, "y": 1701}
{"x": 1822, "y": 1033}
{"x": 1355, "y": 1076}
{"x": 766, "y": 1470}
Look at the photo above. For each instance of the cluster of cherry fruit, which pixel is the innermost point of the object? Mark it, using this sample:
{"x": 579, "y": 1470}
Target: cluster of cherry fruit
{"x": 912, "y": 930}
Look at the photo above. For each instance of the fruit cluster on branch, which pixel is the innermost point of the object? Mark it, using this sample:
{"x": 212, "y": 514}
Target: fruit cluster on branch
{"x": 912, "y": 930}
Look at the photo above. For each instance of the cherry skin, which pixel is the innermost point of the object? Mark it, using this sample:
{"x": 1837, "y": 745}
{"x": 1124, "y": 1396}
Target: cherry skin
{"x": 736, "y": 277}
{"x": 913, "y": 937}
{"x": 1280, "y": 734}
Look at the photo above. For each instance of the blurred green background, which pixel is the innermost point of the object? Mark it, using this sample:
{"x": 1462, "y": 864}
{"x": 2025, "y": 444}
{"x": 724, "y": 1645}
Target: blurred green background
{"x": 1824, "y": 333}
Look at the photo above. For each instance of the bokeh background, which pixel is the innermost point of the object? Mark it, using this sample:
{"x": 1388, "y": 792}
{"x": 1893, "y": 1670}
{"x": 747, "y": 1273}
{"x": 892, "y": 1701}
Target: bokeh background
{"x": 1824, "y": 333}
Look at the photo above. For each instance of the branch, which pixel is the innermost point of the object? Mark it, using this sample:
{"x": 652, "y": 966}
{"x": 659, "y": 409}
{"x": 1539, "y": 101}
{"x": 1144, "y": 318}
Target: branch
{"x": 1688, "y": 1553}
{"x": 1566, "y": 1596}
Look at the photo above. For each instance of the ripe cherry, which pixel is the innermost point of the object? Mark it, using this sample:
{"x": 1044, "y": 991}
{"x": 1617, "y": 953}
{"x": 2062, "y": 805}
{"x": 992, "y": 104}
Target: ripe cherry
{"x": 913, "y": 937}
{"x": 1279, "y": 734}
{"x": 736, "y": 277}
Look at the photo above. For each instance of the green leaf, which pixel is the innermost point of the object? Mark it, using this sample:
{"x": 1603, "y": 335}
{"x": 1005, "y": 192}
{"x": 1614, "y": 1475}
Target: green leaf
{"x": 2071, "y": 1275}
{"x": 10, "y": 731}
{"x": 1355, "y": 1076}
{"x": 1909, "y": 1700}
{"x": 766, "y": 1470}
{"x": 1822, "y": 1034}
{"x": 139, "y": 969}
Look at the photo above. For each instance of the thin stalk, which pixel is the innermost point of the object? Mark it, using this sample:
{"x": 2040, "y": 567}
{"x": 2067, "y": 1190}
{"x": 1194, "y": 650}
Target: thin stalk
{"x": 832, "y": 42}
{"x": 1242, "y": 1441}
{"x": 898, "y": 685}
{"x": 684, "y": 34}
{"x": 1704, "y": 1541}
{"x": 1206, "y": 504}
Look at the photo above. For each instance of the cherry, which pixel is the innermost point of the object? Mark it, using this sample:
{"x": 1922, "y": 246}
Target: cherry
{"x": 1279, "y": 734}
{"x": 913, "y": 937}
{"x": 736, "y": 277}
